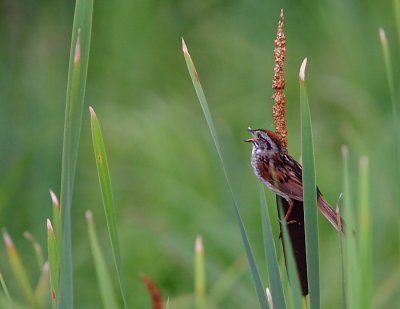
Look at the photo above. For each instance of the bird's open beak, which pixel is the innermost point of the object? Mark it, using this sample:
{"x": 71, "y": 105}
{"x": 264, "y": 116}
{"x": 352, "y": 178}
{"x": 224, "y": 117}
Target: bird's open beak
{"x": 250, "y": 140}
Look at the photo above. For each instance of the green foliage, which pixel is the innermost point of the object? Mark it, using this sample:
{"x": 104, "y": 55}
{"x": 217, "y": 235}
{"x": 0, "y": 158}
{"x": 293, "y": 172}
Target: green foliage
{"x": 204, "y": 105}
{"x": 270, "y": 254}
{"x": 103, "y": 276}
{"x": 77, "y": 74}
{"x": 166, "y": 177}
{"x": 107, "y": 197}
{"x": 309, "y": 195}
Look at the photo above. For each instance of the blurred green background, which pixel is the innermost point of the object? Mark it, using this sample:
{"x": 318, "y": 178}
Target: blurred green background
{"x": 166, "y": 176}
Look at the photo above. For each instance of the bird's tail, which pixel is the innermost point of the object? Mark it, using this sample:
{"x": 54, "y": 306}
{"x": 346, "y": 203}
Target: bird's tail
{"x": 333, "y": 217}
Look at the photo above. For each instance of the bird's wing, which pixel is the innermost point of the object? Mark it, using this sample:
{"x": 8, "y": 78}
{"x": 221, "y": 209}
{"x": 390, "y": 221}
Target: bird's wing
{"x": 290, "y": 182}
{"x": 288, "y": 178}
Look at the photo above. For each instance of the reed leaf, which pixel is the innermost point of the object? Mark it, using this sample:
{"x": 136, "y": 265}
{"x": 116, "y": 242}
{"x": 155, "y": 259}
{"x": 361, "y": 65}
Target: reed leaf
{"x": 19, "y": 270}
{"x": 199, "y": 273}
{"x": 309, "y": 194}
{"x": 77, "y": 73}
{"x": 6, "y": 292}
{"x": 204, "y": 105}
{"x": 351, "y": 265}
{"x": 53, "y": 258}
{"x": 107, "y": 196}
{"x": 103, "y": 276}
{"x": 364, "y": 234}
{"x": 274, "y": 278}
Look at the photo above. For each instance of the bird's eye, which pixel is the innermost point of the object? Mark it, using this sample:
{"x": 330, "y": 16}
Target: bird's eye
{"x": 259, "y": 135}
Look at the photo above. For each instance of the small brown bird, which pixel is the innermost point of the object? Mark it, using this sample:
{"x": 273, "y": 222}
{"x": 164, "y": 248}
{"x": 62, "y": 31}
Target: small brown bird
{"x": 282, "y": 174}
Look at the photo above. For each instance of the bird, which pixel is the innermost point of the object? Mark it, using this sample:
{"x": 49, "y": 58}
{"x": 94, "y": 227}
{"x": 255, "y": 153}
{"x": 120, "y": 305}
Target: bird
{"x": 282, "y": 174}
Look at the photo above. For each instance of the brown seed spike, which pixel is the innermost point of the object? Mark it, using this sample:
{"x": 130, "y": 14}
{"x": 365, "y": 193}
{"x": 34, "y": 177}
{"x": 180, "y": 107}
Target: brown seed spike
{"x": 278, "y": 83}
{"x": 155, "y": 294}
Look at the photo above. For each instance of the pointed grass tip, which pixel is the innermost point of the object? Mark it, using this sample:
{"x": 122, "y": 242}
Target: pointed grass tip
{"x": 382, "y": 36}
{"x": 49, "y": 225}
{"x": 184, "y": 47}
{"x": 28, "y": 235}
{"x": 302, "y": 72}
{"x": 77, "y": 55}
{"x": 92, "y": 112}
{"x": 364, "y": 161}
{"x": 7, "y": 239}
{"x": 45, "y": 268}
{"x": 89, "y": 216}
{"x": 345, "y": 151}
{"x": 269, "y": 298}
{"x": 54, "y": 199}
{"x": 199, "y": 244}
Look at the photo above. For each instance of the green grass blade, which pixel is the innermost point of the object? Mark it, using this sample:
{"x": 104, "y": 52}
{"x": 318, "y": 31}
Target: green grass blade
{"x": 204, "y": 105}
{"x": 389, "y": 76}
{"x": 392, "y": 92}
{"x": 274, "y": 277}
{"x": 42, "y": 287}
{"x": 6, "y": 292}
{"x": 396, "y": 9}
{"x": 291, "y": 267}
{"x": 36, "y": 248}
{"x": 388, "y": 68}
{"x": 56, "y": 219}
{"x": 199, "y": 274}
{"x": 107, "y": 196}
{"x": 309, "y": 195}
{"x": 351, "y": 266}
{"x": 53, "y": 257}
{"x": 77, "y": 73}
{"x": 103, "y": 277}
{"x": 19, "y": 270}
{"x": 364, "y": 234}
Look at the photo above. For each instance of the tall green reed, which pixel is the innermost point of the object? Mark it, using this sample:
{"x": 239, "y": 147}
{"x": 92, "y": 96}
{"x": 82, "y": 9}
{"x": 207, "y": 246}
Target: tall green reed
{"x": 77, "y": 73}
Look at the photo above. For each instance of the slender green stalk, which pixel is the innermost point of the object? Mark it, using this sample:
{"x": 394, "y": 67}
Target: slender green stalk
{"x": 103, "y": 276}
{"x": 42, "y": 287}
{"x": 77, "y": 73}
{"x": 199, "y": 273}
{"x": 107, "y": 196}
{"x": 54, "y": 259}
{"x": 19, "y": 270}
{"x": 54, "y": 246}
{"x": 392, "y": 92}
{"x": 5, "y": 289}
{"x": 396, "y": 122}
{"x": 396, "y": 9}
{"x": 364, "y": 234}
{"x": 309, "y": 195}
{"x": 56, "y": 219}
{"x": 204, "y": 105}
{"x": 351, "y": 266}
{"x": 274, "y": 276}
{"x": 36, "y": 248}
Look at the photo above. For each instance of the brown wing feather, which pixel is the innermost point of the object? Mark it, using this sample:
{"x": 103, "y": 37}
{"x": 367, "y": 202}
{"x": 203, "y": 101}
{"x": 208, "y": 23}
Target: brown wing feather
{"x": 293, "y": 187}
{"x": 289, "y": 175}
